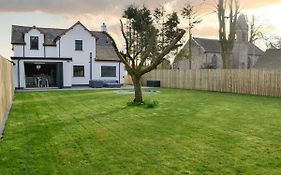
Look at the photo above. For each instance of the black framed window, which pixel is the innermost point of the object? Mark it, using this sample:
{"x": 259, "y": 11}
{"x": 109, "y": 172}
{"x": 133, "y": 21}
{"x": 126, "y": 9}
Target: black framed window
{"x": 249, "y": 62}
{"x": 79, "y": 45}
{"x": 78, "y": 71}
{"x": 34, "y": 43}
{"x": 108, "y": 71}
{"x": 215, "y": 60}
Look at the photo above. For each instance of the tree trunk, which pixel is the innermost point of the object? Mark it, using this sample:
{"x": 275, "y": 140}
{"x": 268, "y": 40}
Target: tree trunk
{"x": 190, "y": 52}
{"x": 226, "y": 56}
{"x": 137, "y": 87}
{"x": 190, "y": 43}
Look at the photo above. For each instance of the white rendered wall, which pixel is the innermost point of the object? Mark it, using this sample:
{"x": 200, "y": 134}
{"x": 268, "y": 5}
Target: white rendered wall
{"x": 67, "y": 49}
{"x": 24, "y": 50}
{"x": 67, "y": 69}
{"x": 34, "y": 53}
{"x": 97, "y": 70}
{"x": 22, "y": 75}
{"x": 18, "y": 50}
{"x": 51, "y": 51}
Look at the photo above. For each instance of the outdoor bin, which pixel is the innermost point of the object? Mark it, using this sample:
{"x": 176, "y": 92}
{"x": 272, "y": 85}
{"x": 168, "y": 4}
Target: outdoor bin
{"x": 153, "y": 83}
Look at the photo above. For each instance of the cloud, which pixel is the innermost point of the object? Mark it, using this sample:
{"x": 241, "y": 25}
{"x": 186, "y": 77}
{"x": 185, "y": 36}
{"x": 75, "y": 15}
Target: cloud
{"x": 73, "y": 6}
{"x": 110, "y": 7}
{"x": 250, "y": 4}
{"x": 93, "y": 12}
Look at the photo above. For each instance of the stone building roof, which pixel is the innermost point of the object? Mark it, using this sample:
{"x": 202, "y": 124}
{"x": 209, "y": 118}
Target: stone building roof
{"x": 209, "y": 45}
{"x": 213, "y": 46}
{"x": 270, "y": 60}
{"x": 105, "y": 50}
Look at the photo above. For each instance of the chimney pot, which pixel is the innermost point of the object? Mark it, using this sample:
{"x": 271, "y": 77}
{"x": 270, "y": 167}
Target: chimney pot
{"x": 103, "y": 27}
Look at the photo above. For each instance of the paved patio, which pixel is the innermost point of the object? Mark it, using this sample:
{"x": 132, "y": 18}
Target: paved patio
{"x": 74, "y": 88}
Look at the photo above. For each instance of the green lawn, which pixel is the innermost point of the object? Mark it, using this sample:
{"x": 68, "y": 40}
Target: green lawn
{"x": 95, "y": 132}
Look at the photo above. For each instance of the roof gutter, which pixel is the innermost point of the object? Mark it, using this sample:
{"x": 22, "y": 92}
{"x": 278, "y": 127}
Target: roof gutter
{"x": 41, "y": 58}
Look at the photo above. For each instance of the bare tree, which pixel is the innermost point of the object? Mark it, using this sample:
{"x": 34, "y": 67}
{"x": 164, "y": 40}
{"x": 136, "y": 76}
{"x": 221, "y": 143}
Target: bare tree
{"x": 273, "y": 42}
{"x": 255, "y": 31}
{"x": 227, "y": 37}
{"x": 145, "y": 48}
{"x": 189, "y": 13}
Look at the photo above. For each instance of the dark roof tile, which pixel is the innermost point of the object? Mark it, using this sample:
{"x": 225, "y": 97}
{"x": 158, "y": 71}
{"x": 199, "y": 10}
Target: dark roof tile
{"x": 209, "y": 45}
{"x": 270, "y": 60}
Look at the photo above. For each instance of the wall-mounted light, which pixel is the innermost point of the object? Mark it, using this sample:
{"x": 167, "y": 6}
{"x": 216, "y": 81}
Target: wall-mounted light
{"x": 38, "y": 66}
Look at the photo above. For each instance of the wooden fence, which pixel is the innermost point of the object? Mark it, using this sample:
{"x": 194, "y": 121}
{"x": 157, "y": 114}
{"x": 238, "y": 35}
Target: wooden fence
{"x": 6, "y": 88}
{"x": 253, "y": 81}
{"x": 128, "y": 80}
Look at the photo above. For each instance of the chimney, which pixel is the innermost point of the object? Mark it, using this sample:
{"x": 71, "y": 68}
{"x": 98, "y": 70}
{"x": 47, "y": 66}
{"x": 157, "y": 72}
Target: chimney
{"x": 103, "y": 27}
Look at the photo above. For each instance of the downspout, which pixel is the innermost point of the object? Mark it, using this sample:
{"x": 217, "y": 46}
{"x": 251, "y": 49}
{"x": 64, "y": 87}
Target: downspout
{"x": 44, "y": 51}
{"x": 23, "y": 51}
{"x": 91, "y": 67}
{"x": 59, "y": 48}
{"x": 119, "y": 71}
{"x": 18, "y": 73}
{"x": 44, "y": 48}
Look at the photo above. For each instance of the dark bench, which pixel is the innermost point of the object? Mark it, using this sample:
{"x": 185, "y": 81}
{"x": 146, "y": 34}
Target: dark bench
{"x": 96, "y": 83}
{"x": 104, "y": 83}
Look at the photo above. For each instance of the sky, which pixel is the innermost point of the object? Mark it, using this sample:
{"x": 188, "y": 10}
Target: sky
{"x": 92, "y": 13}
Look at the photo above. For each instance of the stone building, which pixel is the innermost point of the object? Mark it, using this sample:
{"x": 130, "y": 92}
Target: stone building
{"x": 206, "y": 53}
{"x": 270, "y": 60}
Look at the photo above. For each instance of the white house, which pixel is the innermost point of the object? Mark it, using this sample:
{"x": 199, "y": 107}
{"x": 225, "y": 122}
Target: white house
{"x": 63, "y": 57}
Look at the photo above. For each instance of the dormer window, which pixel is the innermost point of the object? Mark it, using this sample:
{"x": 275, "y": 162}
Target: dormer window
{"x": 78, "y": 45}
{"x": 34, "y": 42}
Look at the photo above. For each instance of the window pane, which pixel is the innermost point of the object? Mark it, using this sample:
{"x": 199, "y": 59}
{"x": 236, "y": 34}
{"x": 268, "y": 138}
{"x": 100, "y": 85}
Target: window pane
{"x": 78, "y": 45}
{"x": 34, "y": 40}
{"x": 108, "y": 71}
{"x": 78, "y": 71}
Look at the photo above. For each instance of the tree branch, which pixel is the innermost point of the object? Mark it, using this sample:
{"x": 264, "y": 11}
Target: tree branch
{"x": 161, "y": 56}
{"x": 147, "y": 51}
{"x": 119, "y": 54}
{"x": 128, "y": 45}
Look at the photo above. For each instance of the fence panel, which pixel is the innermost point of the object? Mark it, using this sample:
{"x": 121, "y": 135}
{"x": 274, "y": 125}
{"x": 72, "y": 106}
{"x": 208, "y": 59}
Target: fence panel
{"x": 6, "y": 87}
{"x": 252, "y": 81}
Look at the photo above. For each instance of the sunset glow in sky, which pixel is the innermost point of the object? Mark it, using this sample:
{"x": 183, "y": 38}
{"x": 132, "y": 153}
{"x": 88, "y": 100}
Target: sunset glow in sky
{"x": 92, "y": 13}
